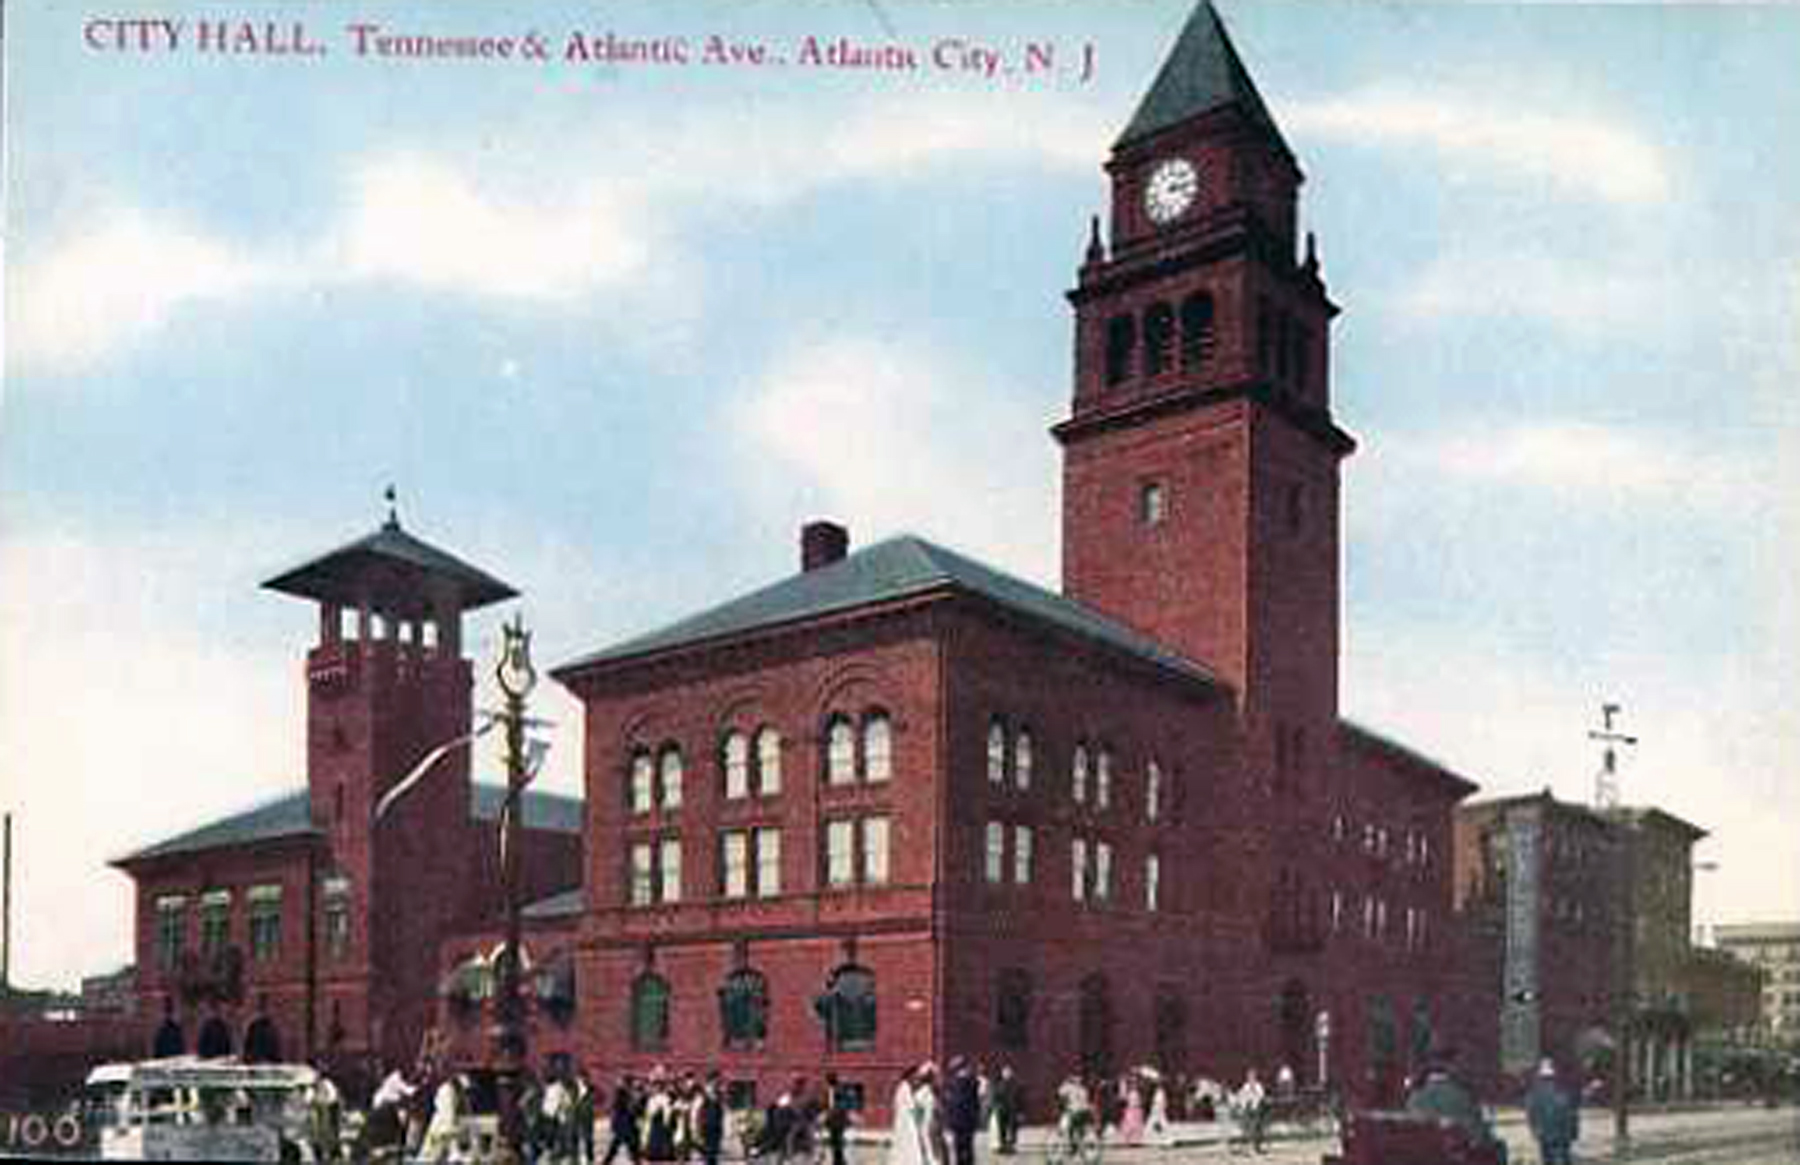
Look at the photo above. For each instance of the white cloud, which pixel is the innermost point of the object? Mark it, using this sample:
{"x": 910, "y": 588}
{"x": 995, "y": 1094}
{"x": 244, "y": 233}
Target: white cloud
{"x": 553, "y": 232}
{"x": 1593, "y": 459}
{"x": 1571, "y": 295}
{"x": 121, "y": 728}
{"x": 889, "y": 439}
{"x": 1577, "y": 153}
{"x": 424, "y": 221}
{"x": 121, "y": 278}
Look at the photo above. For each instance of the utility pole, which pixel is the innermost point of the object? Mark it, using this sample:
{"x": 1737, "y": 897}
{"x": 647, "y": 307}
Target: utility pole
{"x": 1624, "y": 977}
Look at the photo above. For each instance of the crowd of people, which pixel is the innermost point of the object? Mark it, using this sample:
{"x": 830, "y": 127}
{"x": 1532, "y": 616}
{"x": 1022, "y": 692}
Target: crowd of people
{"x": 937, "y": 1117}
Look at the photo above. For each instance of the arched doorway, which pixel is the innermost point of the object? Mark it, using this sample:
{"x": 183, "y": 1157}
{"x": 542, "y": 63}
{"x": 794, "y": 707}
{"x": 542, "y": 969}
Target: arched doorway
{"x": 169, "y": 1040}
{"x": 262, "y": 1043}
{"x": 215, "y": 1038}
{"x": 1094, "y": 1030}
{"x": 1294, "y": 1019}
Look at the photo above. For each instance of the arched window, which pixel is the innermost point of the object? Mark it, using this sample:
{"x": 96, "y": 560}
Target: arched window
{"x": 1170, "y": 1012}
{"x": 669, "y": 768}
{"x": 1121, "y": 338}
{"x": 768, "y": 761}
{"x": 641, "y": 793}
{"x": 1094, "y": 1026}
{"x": 847, "y": 1008}
{"x": 1103, "y": 779}
{"x": 840, "y": 752}
{"x": 744, "y": 1009}
{"x": 553, "y": 984}
{"x": 996, "y": 752}
{"x": 650, "y": 1012}
{"x": 1197, "y": 333}
{"x": 1012, "y": 1009}
{"x": 1159, "y": 338}
{"x": 735, "y": 757}
{"x": 878, "y": 747}
{"x": 1078, "y": 775}
{"x": 1022, "y": 759}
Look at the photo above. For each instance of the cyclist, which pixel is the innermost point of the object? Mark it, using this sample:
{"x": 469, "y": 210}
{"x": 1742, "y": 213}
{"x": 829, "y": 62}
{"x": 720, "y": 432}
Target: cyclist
{"x": 1077, "y": 1125}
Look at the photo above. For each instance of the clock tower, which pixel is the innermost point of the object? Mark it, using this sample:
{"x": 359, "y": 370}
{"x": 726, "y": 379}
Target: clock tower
{"x": 1200, "y": 458}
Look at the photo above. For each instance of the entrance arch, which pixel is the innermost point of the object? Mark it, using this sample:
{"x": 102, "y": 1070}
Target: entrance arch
{"x": 262, "y": 1043}
{"x": 1294, "y": 1019}
{"x": 169, "y": 1041}
{"x": 215, "y": 1038}
{"x": 1095, "y": 1027}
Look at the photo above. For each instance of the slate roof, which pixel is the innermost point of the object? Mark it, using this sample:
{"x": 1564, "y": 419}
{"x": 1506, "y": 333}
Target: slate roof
{"x": 897, "y": 568}
{"x": 1411, "y": 755}
{"x": 1203, "y": 72}
{"x": 335, "y": 575}
{"x": 290, "y": 815}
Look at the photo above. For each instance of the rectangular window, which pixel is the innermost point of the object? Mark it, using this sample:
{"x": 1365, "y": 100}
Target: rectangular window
{"x": 1022, "y": 760}
{"x": 1103, "y": 780}
{"x": 734, "y": 853}
{"x": 768, "y": 762}
{"x": 737, "y": 767}
{"x": 215, "y": 921}
{"x": 1152, "y": 792}
{"x": 337, "y": 917}
{"x": 643, "y": 874}
{"x": 840, "y": 853}
{"x": 669, "y": 868}
{"x": 1078, "y": 869}
{"x": 1337, "y": 910}
{"x": 1022, "y": 855}
{"x": 1078, "y": 776}
{"x": 768, "y": 863}
{"x": 1152, "y": 880}
{"x": 1102, "y": 870}
{"x": 875, "y": 850}
{"x": 996, "y": 851}
{"x": 1151, "y": 503}
{"x": 171, "y": 930}
{"x": 643, "y": 773}
{"x": 265, "y": 922}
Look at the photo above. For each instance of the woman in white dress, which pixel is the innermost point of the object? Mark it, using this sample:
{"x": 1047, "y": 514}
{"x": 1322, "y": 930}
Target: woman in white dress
{"x": 904, "y": 1146}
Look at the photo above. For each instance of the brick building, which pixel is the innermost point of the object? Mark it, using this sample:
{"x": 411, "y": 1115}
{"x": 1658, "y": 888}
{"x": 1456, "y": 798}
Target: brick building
{"x": 901, "y": 805}
{"x": 304, "y": 926}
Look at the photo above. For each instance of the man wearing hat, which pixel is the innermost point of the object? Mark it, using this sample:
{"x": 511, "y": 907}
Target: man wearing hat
{"x": 1442, "y": 1095}
{"x": 1552, "y": 1113}
{"x": 962, "y": 1111}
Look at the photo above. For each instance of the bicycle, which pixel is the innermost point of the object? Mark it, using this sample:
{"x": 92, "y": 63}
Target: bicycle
{"x": 1077, "y": 1141}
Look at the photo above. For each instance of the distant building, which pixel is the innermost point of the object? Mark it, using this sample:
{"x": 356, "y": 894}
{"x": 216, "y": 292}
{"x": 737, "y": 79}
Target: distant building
{"x": 113, "y": 994}
{"x": 1775, "y": 948}
{"x": 1551, "y": 896}
{"x": 1725, "y": 995}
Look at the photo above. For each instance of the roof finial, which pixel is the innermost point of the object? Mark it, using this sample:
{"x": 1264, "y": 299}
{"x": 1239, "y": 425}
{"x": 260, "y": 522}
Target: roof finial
{"x": 1096, "y": 250}
{"x": 1312, "y": 253}
{"x": 393, "y": 504}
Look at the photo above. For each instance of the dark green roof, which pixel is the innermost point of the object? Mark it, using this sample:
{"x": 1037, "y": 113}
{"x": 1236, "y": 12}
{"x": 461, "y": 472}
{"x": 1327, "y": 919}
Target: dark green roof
{"x": 894, "y": 569}
{"x": 1203, "y": 72}
{"x": 290, "y": 815}
{"x": 394, "y": 561}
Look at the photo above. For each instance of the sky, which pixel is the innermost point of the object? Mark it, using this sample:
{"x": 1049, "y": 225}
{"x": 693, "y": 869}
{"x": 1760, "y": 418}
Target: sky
{"x": 615, "y": 330}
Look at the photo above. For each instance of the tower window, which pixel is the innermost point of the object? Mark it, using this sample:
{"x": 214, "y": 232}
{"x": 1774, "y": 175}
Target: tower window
{"x": 1159, "y": 338}
{"x": 1197, "y": 335}
{"x": 1302, "y": 343}
{"x": 1121, "y": 338}
{"x": 1152, "y": 503}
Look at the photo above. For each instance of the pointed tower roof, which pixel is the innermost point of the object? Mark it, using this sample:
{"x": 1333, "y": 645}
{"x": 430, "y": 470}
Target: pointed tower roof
{"x": 1203, "y": 72}
{"x": 402, "y": 562}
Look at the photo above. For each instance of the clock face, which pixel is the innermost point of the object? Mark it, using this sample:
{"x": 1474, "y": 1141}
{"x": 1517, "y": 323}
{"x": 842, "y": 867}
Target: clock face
{"x": 1173, "y": 185}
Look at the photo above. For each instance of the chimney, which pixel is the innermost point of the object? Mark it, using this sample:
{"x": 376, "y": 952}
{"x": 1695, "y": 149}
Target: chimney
{"x": 821, "y": 544}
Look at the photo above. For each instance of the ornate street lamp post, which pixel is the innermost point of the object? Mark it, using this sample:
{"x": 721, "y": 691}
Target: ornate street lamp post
{"x": 516, "y": 677}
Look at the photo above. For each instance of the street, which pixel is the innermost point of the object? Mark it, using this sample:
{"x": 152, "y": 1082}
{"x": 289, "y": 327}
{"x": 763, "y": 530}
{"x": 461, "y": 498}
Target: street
{"x": 1724, "y": 1136}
